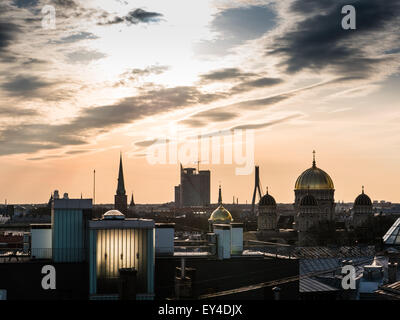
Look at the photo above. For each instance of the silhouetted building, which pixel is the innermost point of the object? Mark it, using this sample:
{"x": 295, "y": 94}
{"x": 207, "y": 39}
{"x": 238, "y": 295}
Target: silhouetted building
{"x": 120, "y": 199}
{"x": 314, "y": 199}
{"x": 194, "y": 189}
{"x": 362, "y": 209}
{"x": 69, "y": 219}
{"x": 132, "y": 204}
{"x": 267, "y": 218}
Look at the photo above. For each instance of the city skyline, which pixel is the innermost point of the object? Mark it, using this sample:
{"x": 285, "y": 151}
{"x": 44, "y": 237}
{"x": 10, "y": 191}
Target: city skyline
{"x": 214, "y": 189}
{"x": 117, "y": 76}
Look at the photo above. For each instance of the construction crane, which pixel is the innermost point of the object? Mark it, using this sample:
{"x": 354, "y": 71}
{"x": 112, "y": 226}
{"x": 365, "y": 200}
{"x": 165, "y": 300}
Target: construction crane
{"x": 198, "y": 165}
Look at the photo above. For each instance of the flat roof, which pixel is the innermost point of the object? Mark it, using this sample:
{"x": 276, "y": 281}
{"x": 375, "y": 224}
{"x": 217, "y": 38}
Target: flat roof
{"x": 168, "y": 225}
{"x": 40, "y": 225}
{"x": 222, "y": 226}
{"x": 122, "y": 224}
{"x": 237, "y": 224}
{"x": 73, "y": 204}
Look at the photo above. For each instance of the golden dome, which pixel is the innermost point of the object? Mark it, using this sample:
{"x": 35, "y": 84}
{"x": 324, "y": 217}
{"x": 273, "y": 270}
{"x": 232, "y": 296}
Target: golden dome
{"x": 221, "y": 215}
{"x": 314, "y": 179}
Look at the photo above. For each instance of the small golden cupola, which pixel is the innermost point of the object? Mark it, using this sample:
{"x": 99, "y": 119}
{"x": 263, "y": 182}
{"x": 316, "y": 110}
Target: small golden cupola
{"x": 220, "y": 215}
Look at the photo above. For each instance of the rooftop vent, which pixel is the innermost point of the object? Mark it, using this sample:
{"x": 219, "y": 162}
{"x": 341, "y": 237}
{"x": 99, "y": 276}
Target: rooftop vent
{"x": 113, "y": 215}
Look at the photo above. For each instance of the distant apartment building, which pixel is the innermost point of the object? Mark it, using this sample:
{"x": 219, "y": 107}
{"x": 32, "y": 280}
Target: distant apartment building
{"x": 194, "y": 189}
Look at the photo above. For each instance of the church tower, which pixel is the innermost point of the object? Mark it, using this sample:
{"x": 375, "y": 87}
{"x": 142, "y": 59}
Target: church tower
{"x": 120, "y": 199}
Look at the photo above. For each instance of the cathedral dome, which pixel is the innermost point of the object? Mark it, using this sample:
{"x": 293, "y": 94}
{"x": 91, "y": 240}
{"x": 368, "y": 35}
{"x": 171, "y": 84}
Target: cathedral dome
{"x": 267, "y": 200}
{"x": 363, "y": 200}
{"x": 314, "y": 179}
{"x": 308, "y": 200}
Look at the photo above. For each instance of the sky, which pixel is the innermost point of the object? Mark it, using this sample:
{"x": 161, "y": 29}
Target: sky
{"x": 112, "y": 76}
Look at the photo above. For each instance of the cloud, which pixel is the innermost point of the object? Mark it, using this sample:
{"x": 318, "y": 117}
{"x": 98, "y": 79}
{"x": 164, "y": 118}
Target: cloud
{"x": 148, "y": 143}
{"x": 23, "y": 85}
{"x": 64, "y": 3}
{"x": 254, "y": 126}
{"x": 71, "y": 152}
{"x": 84, "y": 56}
{"x": 8, "y": 33}
{"x": 318, "y": 42}
{"x": 77, "y": 37}
{"x": 255, "y": 84}
{"x": 51, "y": 156}
{"x": 32, "y": 61}
{"x": 202, "y": 119}
{"x": 226, "y": 74}
{"x": 17, "y": 112}
{"x": 135, "y": 74}
{"x": 231, "y": 111}
{"x": 248, "y": 80}
{"x": 235, "y": 26}
{"x": 29, "y": 138}
{"x": 257, "y": 104}
{"x": 135, "y": 17}
{"x": 145, "y": 143}
{"x": 266, "y": 124}
{"x": 25, "y": 3}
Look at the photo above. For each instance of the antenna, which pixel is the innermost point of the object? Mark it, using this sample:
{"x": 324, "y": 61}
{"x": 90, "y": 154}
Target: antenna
{"x": 94, "y": 186}
{"x": 314, "y": 163}
{"x": 198, "y": 165}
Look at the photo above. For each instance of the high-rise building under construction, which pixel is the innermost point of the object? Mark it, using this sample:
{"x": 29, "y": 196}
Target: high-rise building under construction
{"x": 194, "y": 189}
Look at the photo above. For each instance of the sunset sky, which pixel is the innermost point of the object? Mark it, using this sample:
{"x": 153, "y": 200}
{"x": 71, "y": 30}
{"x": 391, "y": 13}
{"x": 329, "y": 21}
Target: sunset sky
{"x": 118, "y": 75}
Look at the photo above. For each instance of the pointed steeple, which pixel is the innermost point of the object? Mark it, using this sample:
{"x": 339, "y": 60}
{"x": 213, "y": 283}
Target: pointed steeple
{"x": 50, "y": 200}
{"x": 314, "y": 163}
{"x": 362, "y": 189}
{"x": 219, "y": 196}
{"x": 121, "y": 183}
{"x": 132, "y": 204}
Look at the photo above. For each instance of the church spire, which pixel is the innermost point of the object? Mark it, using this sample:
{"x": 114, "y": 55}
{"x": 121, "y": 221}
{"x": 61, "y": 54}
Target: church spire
{"x": 314, "y": 163}
{"x": 219, "y": 196}
{"x": 121, "y": 183}
{"x": 132, "y": 204}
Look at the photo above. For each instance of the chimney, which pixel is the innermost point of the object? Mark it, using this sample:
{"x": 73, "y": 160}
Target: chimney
{"x": 237, "y": 238}
{"x": 223, "y": 232}
{"x": 392, "y": 272}
{"x": 277, "y": 293}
